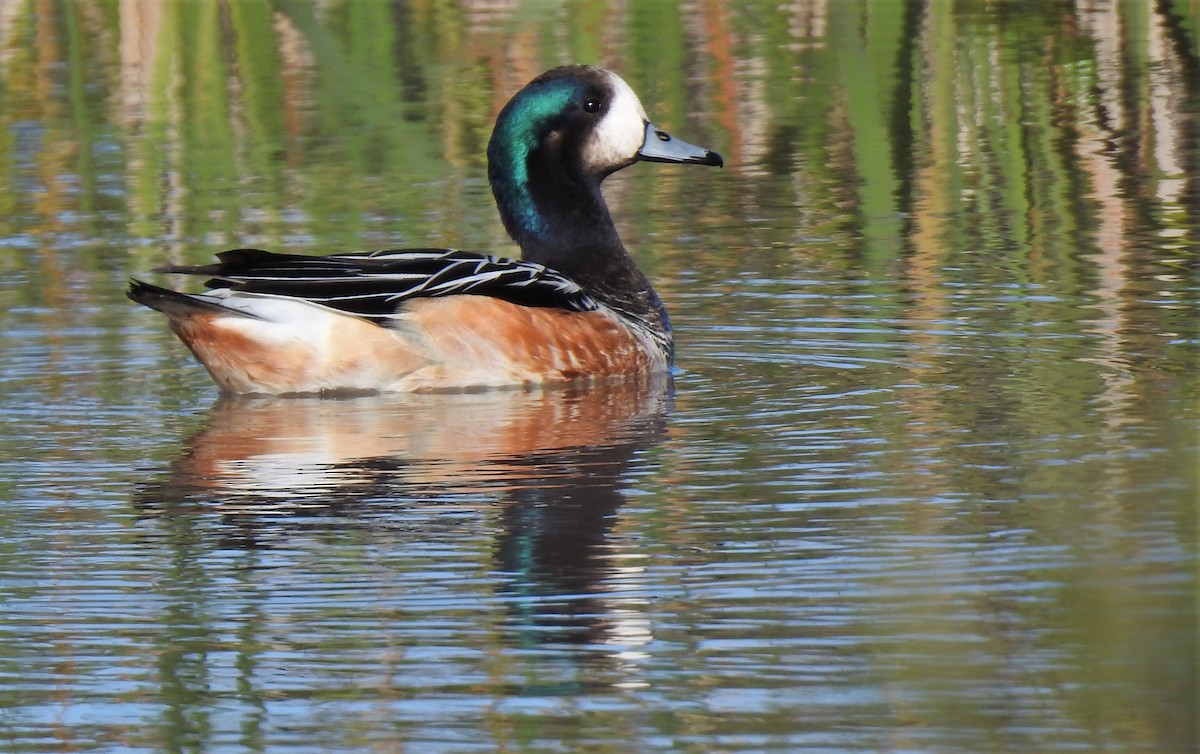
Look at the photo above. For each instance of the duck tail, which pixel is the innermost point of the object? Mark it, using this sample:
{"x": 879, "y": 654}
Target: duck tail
{"x": 173, "y": 303}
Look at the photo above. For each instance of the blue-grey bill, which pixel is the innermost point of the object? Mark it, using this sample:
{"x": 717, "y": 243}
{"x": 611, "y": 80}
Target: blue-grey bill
{"x": 660, "y": 146}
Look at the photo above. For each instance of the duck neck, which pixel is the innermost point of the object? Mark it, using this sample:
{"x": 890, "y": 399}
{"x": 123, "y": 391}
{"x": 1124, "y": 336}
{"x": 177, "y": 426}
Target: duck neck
{"x": 559, "y": 218}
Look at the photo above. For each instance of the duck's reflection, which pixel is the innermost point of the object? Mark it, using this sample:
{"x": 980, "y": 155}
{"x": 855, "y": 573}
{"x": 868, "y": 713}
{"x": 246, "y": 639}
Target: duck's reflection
{"x": 550, "y": 467}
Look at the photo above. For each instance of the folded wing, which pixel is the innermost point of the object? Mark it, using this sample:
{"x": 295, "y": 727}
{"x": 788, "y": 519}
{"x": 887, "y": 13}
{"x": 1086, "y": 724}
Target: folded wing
{"x": 374, "y": 285}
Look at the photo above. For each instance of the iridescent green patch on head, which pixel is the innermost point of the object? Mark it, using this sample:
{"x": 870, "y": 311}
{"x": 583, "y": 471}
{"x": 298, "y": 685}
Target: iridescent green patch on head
{"x": 521, "y": 126}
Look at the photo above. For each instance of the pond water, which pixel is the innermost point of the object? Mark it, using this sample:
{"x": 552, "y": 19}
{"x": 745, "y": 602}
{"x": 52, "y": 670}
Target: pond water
{"x": 926, "y": 479}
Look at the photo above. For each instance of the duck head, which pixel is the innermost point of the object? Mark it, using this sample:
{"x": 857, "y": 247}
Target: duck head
{"x": 554, "y": 142}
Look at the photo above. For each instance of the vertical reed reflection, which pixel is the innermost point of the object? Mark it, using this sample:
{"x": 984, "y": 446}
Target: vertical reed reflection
{"x": 947, "y": 288}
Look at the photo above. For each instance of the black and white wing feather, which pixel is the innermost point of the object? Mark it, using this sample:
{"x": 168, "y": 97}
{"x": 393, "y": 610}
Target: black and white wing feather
{"x": 374, "y": 285}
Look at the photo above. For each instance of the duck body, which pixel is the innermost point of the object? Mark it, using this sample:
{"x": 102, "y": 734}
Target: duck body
{"x": 398, "y": 321}
{"x": 575, "y": 307}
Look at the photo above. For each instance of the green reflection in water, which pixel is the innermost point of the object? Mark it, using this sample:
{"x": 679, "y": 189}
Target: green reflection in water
{"x": 938, "y": 316}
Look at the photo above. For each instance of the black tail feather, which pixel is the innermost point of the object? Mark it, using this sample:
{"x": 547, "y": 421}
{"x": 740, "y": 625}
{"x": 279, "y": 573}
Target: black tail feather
{"x": 171, "y": 302}
{"x": 232, "y": 262}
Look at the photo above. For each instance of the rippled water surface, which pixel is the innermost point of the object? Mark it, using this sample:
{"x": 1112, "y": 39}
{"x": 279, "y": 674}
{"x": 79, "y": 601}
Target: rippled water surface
{"x": 925, "y": 479}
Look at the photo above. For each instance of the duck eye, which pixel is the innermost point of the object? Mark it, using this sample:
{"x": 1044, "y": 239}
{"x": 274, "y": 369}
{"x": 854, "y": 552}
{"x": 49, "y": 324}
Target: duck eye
{"x": 592, "y": 105}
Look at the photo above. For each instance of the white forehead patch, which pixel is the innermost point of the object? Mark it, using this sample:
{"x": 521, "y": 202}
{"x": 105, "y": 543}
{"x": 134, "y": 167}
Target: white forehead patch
{"x": 618, "y": 136}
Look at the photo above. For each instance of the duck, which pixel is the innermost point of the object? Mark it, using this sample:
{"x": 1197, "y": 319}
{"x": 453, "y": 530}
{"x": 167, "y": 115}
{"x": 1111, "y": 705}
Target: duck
{"x": 574, "y": 307}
